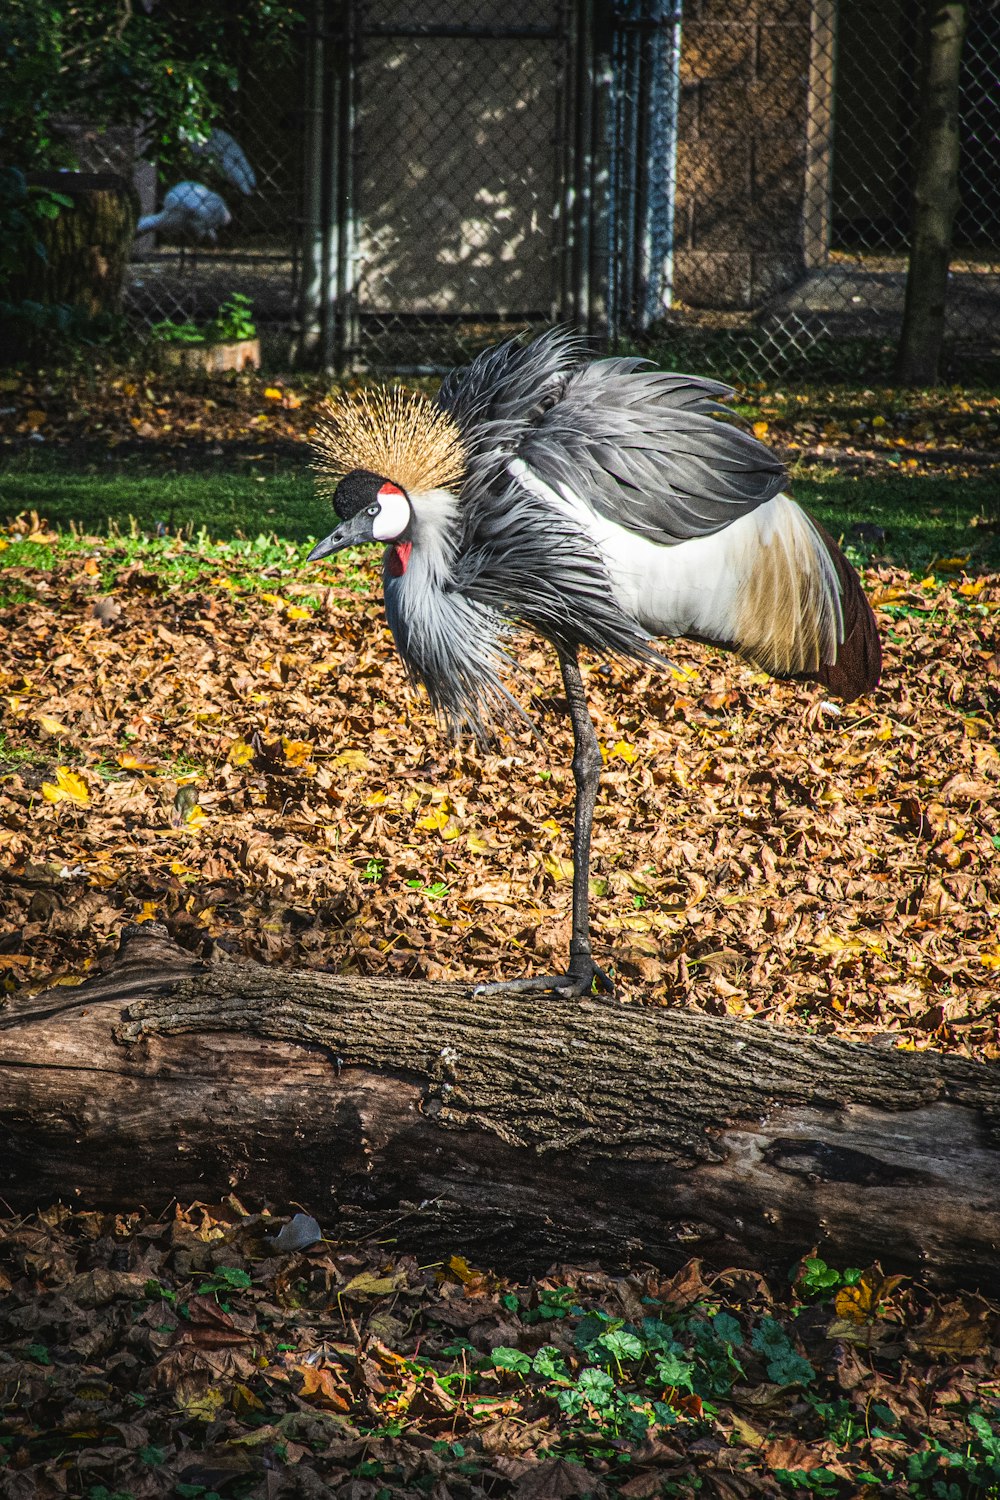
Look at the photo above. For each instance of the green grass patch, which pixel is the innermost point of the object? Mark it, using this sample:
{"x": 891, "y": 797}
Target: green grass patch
{"x": 924, "y": 517}
{"x": 220, "y": 501}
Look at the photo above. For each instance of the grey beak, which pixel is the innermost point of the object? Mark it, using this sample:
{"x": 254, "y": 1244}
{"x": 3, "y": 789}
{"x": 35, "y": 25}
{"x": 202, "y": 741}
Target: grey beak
{"x": 353, "y": 533}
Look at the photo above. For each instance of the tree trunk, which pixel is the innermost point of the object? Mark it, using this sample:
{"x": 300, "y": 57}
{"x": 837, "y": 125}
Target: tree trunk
{"x": 936, "y": 195}
{"x": 516, "y": 1132}
{"x": 87, "y": 247}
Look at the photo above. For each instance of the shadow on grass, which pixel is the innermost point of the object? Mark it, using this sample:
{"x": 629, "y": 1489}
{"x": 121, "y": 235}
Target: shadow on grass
{"x": 907, "y": 521}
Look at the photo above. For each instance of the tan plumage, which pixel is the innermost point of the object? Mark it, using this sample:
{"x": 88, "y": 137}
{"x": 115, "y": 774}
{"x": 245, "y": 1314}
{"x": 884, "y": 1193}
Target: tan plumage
{"x": 391, "y": 431}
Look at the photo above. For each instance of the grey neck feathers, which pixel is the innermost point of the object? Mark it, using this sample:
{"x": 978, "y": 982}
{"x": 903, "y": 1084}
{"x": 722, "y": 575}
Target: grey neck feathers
{"x": 449, "y": 643}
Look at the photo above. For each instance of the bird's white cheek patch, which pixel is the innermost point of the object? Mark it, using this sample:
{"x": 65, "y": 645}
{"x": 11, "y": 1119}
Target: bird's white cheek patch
{"x": 394, "y": 514}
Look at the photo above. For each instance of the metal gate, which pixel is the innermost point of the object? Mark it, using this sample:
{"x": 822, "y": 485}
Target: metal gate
{"x": 475, "y": 167}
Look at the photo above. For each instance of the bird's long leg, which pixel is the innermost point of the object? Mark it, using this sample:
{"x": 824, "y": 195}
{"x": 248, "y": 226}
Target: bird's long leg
{"x": 579, "y": 980}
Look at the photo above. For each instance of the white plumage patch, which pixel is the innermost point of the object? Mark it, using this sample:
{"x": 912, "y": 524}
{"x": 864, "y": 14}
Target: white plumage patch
{"x": 765, "y": 584}
{"x": 393, "y": 516}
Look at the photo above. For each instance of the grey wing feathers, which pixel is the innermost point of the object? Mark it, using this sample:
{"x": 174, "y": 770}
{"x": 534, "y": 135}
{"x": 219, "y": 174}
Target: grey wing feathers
{"x": 643, "y": 447}
{"x": 533, "y": 565}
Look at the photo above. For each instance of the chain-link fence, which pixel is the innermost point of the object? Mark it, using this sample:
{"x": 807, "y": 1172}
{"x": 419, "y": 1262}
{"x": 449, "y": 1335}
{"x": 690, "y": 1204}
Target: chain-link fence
{"x": 218, "y": 216}
{"x": 733, "y": 185}
{"x": 798, "y": 137}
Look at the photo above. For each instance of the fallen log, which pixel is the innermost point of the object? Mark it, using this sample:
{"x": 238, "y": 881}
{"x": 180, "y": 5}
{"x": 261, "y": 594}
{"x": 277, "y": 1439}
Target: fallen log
{"x": 515, "y": 1132}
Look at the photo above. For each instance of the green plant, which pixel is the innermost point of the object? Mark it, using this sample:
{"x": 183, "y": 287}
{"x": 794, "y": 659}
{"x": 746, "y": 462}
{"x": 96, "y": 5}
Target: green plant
{"x": 233, "y": 322}
{"x": 170, "y": 65}
{"x": 627, "y": 1377}
{"x": 169, "y": 332}
{"x": 816, "y": 1278}
{"x": 22, "y": 211}
{"x": 435, "y": 891}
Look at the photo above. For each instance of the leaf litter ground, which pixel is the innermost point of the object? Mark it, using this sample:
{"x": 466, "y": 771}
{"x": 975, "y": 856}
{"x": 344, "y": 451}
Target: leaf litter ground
{"x": 217, "y": 737}
{"x": 212, "y": 1352}
{"x": 210, "y": 735}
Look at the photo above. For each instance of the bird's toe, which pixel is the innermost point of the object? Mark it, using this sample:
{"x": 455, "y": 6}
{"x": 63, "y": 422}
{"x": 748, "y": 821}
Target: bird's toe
{"x": 580, "y": 980}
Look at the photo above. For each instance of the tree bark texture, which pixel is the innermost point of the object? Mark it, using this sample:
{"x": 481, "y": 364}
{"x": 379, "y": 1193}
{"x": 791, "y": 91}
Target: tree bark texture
{"x": 514, "y": 1132}
{"x": 87, "y": 247}
{"x": 936, "y": 195}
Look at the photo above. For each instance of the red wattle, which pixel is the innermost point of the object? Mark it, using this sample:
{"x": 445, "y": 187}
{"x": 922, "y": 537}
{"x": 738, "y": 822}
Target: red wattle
{"x": 399, "y": 559}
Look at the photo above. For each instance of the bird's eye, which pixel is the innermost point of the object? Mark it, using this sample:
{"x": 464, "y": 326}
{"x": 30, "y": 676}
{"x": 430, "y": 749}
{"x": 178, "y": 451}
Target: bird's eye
{"x": 373, "y": 510}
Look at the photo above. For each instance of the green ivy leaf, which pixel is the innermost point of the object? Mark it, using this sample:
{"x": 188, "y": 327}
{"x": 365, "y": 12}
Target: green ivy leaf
{"x": 784, "y": 1366}
{"x": 504, "y": 1358}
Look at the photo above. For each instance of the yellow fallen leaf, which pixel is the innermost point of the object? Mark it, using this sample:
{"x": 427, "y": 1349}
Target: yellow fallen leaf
{"x": 434, "y": 822}
{"x": 203, "y": 1406}
{"x": 476, "y": 845}
{"x": 240, "y": 752}
{"x": 760, "y": 429}
{"x": 148, "y": 913}
{"x": 976, "y": 729}
{"x": 49, "y": 725}
{"x": 242, "y": 1399}
{"x": 271, "y": 393}
{"x": 622, "y": 750}
{"x": 551, "y": 826}
{"x": 296, "y": 612}
{"x": 353, "y": 760}
{"x": 878, "y": 421}
{"x": 930, "y": 582}
{"x": 560, "y": 870}
{"x": 952, "y": 564}
{"x": 196, "y": 818}
{"x": 860, "y": 1302}
{"x": 135, "y": 763}
{"x": 458, "y": 1267}
{"x": 367, "y": 1285}
{"x": 296, "y": 752}
{"x": 970, "y": 589}
{"x": 69, "y": 787}
{"x": 888, "y": 595}
{"x": 274, "y": 599}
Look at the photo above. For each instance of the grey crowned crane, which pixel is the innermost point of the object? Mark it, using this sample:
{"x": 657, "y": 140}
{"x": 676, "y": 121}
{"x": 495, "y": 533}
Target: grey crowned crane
{"x": 598, "y": 503}
{"x": 228, "y": 156}
{"x": 190, "y": 210}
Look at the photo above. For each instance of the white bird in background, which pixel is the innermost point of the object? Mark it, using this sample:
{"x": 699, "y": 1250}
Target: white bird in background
{"x": 228, "y": 156}
{"x": 190, "y": 210}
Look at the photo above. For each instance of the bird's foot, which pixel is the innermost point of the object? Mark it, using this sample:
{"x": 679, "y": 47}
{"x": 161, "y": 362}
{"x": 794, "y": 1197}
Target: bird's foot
{"x": 580, "y": 980}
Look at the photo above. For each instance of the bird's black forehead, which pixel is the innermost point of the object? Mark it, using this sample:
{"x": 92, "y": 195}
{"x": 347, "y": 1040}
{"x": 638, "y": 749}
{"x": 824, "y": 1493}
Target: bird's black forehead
{"x": 356, "y": 490}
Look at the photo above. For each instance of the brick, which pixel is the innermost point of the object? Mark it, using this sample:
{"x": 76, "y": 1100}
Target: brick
{"x": 775, "y": 12}
{"x": 726, "y": 53}
{"x": 713, "y": 278}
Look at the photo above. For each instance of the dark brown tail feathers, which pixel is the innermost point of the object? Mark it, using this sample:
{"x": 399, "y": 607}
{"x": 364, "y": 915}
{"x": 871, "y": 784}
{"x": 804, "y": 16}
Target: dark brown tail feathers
{"x": 859, "y": 660}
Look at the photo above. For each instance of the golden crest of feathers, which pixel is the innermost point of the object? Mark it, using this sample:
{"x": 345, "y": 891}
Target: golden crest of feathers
{"x": 391, "y": 431}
